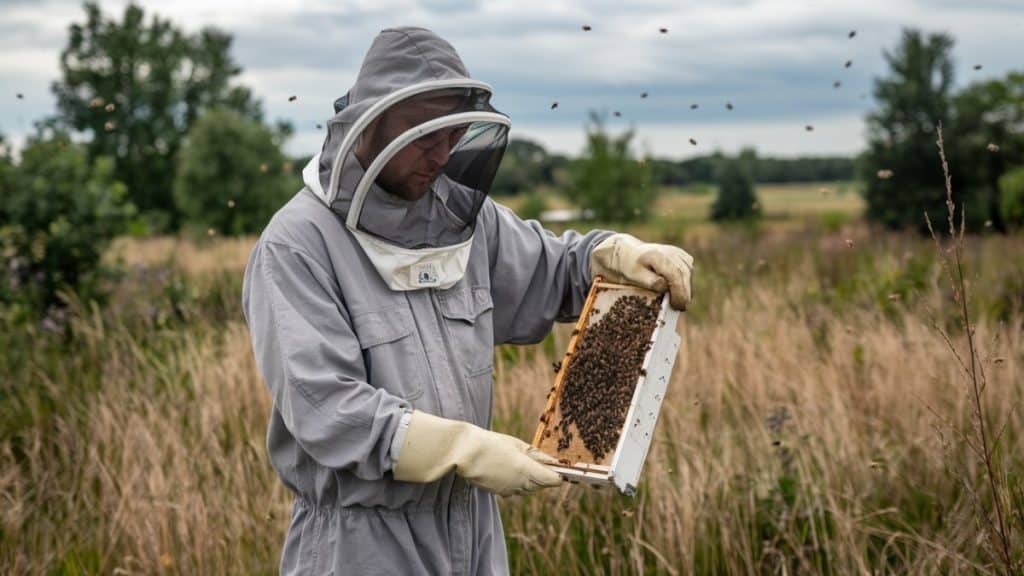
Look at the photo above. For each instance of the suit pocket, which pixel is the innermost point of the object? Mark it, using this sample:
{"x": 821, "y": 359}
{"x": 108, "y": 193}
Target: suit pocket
{"x": 392, "y": 352}
{"x": 468, "y": 315}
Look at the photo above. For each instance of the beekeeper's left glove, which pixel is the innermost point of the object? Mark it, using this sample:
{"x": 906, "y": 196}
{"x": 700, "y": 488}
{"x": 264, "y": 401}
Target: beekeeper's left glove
{"x": 624, "y": 259}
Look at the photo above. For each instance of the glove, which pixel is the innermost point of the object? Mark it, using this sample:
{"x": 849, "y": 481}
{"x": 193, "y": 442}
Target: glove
{"x": 498, "y": 463}
{"x": 623, "y": 259}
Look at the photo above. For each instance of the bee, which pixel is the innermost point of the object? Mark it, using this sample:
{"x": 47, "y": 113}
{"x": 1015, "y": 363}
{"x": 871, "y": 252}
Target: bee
{"x": 586, "y": 27}
{"x": 728, "y": 105}
{"x": 643, "y": 94}
{"x": 848, "y": 64}
{"x": 809, "y": 128}
{"x": 319, "y": 127}
{"x": 977, "y": 66}
{"x": 837, "y": 84}
{"x": 692, "y": 141}
{"x": 20, "y": 96}
{"x": 293, "y": 98}
{"x": 852, "y": 33}
{"x": 693, "y": 106}
{"x": 554, "y": 105}
{"x": 617, "y": 113}
{"x": 663, "y": 30}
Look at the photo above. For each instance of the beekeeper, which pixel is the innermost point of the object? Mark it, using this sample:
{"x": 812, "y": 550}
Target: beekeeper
{"x": 374, "y": 299}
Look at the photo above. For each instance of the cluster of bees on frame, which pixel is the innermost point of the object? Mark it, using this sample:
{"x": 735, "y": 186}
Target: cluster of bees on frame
{"x": 602, "y": 375}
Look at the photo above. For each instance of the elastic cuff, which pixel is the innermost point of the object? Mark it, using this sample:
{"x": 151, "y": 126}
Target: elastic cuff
{"x": 399, "y": 438}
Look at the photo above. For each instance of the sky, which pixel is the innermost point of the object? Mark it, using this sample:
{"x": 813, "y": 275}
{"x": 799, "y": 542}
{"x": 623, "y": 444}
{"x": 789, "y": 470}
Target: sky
{"x": 774, "y": 61}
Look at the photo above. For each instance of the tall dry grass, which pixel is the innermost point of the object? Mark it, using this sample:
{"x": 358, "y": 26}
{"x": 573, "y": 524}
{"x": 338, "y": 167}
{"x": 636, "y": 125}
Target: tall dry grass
{"x": 796, "y": 436}
{"x": 162, "y": 470}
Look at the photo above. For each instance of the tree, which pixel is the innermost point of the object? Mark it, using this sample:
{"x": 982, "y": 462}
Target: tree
{"x": 138, "y": 88}
{"x": 608, "y": 180}
{"x": 524, "y": 167}
{"x": 232, "y": 175}
{"x": 1011, "y": 199}
{"x": 736, "y": 199}
{"x": 987, "y": 141}
{"x": 60, "y": 211}
{"x": 901, "y": 170}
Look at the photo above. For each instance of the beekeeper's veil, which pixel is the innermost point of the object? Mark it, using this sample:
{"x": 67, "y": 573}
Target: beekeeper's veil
{"x": 409, "y": 158}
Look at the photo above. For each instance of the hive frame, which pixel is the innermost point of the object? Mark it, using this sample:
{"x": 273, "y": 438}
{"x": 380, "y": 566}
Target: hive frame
{"x": 648, "y": 394}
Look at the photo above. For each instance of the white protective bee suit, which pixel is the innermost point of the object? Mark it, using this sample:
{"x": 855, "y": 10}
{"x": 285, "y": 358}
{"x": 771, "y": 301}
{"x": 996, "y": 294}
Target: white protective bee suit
{"x": 374, "y": 316}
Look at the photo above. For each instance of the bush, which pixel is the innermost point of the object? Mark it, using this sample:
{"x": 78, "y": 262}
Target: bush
{"x": 232, "y": 175}
{"x": 534, "y": 204}
{"x": 59, "y": 214}
{"x": 736, "y": 199}
{"x": 608, "y": 181}
{"x": 1011, "y": 197}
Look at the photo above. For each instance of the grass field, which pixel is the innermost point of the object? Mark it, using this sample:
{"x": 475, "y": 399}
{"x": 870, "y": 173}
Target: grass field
{"x": 805, "y": 429}
{"x": 680, "y": 213}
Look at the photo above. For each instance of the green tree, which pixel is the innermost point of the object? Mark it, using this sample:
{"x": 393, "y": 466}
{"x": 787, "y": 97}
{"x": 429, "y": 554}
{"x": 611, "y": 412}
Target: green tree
{"x": 137, "y": 88}
{"x": 60, "y": 211}
{"x": 1011, "y": 202}
{"x": 524, "y": 167}
{"x": 736, "y": 199}
{"x": 608, "y": 180}
{"x": 901, "y": 168}
{"x": 986, "y": 141}
{"x": 232, "y": 175}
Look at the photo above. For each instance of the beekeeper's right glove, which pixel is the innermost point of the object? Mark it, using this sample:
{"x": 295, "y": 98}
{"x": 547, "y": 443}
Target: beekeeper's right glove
{"x": 498, "y": 463}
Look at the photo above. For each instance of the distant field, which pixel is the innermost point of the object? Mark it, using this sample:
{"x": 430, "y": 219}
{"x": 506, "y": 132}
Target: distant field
{"x": 779, "y": 201}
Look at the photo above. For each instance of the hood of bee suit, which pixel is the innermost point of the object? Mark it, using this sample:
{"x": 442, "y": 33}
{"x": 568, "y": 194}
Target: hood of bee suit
{"x": 410, "y": 68}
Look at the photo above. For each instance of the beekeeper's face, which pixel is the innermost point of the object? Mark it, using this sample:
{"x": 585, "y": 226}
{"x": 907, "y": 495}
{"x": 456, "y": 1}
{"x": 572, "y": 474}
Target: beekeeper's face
{"x": 410, "y": 172}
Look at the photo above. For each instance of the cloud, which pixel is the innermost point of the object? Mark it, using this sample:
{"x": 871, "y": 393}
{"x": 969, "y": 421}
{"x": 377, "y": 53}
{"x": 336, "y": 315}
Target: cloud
{"x": 775, "y": 60}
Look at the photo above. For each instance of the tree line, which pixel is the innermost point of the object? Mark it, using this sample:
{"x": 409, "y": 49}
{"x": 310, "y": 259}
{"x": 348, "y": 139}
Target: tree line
{"x": 527, "y": 166}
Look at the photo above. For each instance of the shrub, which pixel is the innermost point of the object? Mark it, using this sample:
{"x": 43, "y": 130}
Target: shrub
{"x": 608, "y": 180}
{"x": 232, "y": 175}
{"x": 59, "y": 214}
{"x": 1011, "y": 197}
{"x": 736, "y": 199}
{"x": 534, "y": 204}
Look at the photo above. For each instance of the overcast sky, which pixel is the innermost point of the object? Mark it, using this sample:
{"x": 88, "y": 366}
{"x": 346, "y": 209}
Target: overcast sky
{"x": 774, "y": 60}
